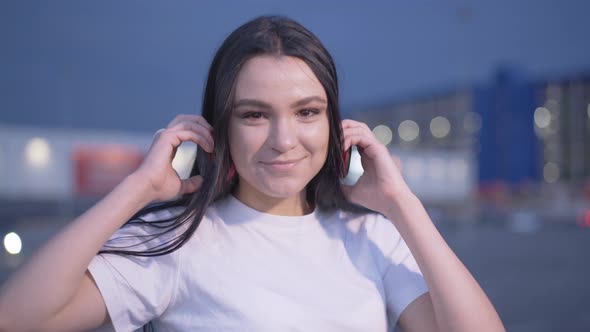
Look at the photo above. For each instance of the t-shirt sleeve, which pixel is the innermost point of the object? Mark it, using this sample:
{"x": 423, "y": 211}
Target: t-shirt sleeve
{"x": 402, "y": 279}
{"x": 136, "y": 289}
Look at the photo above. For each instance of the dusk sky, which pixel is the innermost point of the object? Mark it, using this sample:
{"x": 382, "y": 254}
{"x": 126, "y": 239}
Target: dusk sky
{"x": 133, "y": 65}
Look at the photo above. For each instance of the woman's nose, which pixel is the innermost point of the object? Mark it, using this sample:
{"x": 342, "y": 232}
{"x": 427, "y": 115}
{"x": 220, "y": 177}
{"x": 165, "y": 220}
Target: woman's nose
{"x": 283, "y": 136}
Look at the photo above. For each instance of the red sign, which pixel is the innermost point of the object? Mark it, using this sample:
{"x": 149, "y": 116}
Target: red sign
{"x": 99, "y": 168}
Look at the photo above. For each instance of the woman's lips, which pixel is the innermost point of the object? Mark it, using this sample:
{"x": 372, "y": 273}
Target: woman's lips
{"x": 282, "y": 165}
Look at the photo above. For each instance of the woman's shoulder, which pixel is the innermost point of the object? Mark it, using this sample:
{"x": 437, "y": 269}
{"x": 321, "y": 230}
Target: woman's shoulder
{"x": 370, "y": 224}
{"x": 359, "y": 218}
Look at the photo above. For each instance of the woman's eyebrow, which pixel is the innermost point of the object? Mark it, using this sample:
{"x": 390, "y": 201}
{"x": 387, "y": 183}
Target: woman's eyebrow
{"x": 260, "y": 104}
{"x": 308, "y": 100}
{"x": 252, "y": 102}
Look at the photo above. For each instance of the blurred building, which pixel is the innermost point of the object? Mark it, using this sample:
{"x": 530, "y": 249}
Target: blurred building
{"x": 514, "y": 142}
{"x": 434, "y": 137}
{"x": 562, "y": 125}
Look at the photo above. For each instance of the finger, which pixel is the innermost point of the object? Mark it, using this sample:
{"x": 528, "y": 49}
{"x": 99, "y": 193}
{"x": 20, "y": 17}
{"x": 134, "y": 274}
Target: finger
{"x": 361, "y": 129}
{"x": 397, "y": 161}
{"x": 361, "y": 141}
{"x": 348, "y": 123}
{"x": 358, "y": 132}
{"x": 176, "y": 137}
{"x": 158, "y": 132}
{"x": 196, "y": 127}
{"x": 348, "y": 131}
{"x": 191, "y": 118}
{"x": 366, "y": 145}
{"x": 177, "y": 119}
{"x": 190, "y": 185}
{"x": 197, "y": 120}
{"x": 201, "y": 120}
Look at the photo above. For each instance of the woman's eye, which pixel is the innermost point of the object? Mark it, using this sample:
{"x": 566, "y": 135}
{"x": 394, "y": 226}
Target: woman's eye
{"x": 308, "y": 112}
{"x": 253, "y": 115}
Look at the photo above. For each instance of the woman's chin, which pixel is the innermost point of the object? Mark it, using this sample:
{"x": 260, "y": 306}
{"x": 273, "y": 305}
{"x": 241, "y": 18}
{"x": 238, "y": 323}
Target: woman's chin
{"x": 282, "y": 189}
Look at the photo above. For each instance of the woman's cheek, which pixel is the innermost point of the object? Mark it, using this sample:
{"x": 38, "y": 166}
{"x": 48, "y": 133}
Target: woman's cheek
{"x": 316, "y": 135}
{"x": 248, "y": 142}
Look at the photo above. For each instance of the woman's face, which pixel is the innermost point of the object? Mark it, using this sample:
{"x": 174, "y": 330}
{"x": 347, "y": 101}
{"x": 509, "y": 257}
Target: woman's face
{"x": 279, "y": 129}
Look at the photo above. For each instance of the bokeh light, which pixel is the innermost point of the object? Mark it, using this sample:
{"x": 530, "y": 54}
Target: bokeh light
{"x": 440, "y": 127}
{"x": 542, "y": 117}
{"x": 408, "y": 130}
{"x": 38, "y": 152}
{"x": 383, "y": 134}
{"x": 12, "y": 243}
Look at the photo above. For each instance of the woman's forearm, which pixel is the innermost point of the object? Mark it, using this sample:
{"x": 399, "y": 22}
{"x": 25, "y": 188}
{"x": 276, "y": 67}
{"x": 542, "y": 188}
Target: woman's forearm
{"x": 50, "y": 278}
{"x": 459, "y": 302}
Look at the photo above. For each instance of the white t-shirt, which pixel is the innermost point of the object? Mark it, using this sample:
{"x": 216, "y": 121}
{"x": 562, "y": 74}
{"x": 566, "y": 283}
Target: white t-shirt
{"x": 244, "y": 270}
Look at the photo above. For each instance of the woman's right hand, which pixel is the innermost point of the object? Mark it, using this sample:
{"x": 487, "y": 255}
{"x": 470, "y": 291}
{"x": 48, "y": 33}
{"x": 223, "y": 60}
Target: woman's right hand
{"x": 157, "y": 169}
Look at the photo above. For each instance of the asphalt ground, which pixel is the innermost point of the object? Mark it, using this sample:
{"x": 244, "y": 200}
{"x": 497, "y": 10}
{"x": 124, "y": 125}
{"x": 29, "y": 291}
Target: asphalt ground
{"x": 538, "y": 279}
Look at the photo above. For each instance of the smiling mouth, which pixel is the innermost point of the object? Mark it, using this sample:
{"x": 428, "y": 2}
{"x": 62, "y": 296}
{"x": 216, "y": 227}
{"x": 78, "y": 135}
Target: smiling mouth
{"x": 282, "y": 165}
{"x": 281, "y": 162}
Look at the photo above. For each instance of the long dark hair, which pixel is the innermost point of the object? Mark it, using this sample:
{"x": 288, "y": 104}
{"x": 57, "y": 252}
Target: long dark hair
{"x": 276, "y": 35}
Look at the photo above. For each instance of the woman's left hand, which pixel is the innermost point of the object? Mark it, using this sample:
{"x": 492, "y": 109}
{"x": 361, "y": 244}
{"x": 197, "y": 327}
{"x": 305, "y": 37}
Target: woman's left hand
{"x": 382, "y": 180}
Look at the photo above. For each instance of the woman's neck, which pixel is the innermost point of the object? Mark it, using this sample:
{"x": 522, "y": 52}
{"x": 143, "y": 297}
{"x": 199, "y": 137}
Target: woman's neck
{"x": 296, "y": 205}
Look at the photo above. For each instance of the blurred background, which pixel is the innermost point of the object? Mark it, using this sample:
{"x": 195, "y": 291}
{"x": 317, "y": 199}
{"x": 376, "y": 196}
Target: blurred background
{"x": 487, "y": 104}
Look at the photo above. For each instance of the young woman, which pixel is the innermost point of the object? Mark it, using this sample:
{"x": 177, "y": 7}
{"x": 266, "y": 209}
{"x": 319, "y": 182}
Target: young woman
{"x": 262, "y": 236}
